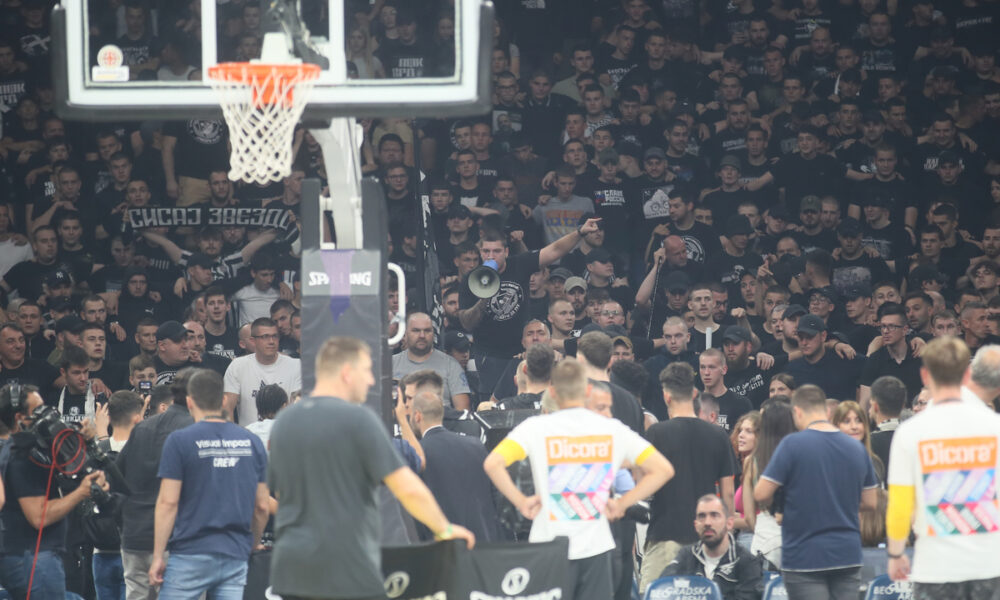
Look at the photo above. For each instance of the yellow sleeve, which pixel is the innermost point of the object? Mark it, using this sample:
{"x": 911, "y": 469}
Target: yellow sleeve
{"x": 644, "y": 455}
{"x": 899, "y": 511}
{"x": 511, "y": 451}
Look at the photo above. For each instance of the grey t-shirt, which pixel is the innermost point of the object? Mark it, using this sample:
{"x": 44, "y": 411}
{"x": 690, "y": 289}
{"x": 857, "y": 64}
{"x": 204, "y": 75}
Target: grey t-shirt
{"x": 327, "y": 461}
{"x": 447, "y": 367}
{"x": 559, "y": 218}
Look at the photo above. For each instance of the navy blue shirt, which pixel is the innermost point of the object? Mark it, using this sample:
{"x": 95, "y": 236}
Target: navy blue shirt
{"x": 219, "y": 465}
{"x": 823, "y": 474}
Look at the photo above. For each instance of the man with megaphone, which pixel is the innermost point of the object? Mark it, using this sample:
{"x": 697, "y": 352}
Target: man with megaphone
{"x": 494, "y": 298}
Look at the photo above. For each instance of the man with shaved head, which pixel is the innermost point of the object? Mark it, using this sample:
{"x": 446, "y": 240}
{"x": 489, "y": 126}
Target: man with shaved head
{"x": 421, "y": 354}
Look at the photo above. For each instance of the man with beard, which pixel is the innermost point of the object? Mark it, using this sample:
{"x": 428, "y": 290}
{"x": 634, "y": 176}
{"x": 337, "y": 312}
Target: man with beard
{"x": 420, "y": 354}
{"x": 716, "y": 555}
{"x": 199, "y": 356}
{"x": 744, "y": 377}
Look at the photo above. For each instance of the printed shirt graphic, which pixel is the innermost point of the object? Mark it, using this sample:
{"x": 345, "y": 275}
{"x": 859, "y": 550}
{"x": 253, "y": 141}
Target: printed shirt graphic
{"x": 574, "y": 455}
{"x": 580, "y": 476}
{"x": 948, "y": 454}
{"x": 959, "y": 489}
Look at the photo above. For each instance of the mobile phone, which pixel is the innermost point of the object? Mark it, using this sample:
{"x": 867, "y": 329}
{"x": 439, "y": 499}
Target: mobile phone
{"x": 145, "y": 386}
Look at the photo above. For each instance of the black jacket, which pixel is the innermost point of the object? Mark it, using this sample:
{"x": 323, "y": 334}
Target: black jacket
{"x": 738, "y": 573}
{"x": 139, "y": 462}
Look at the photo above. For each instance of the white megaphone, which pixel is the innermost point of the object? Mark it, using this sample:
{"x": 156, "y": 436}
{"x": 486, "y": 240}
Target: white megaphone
{"x": 484, "y": 281}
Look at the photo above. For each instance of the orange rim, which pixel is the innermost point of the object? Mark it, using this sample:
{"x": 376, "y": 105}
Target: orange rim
{"x": 271, "y": 74}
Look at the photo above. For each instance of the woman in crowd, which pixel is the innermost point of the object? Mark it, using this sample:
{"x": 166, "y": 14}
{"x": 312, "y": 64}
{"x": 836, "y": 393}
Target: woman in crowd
{"x": 775, "y": 423}
{"x": 359, "y": 52}
{"x": 744, "y": 441}
{"x": 851, "y": 420}
{"x": 782, "y": 384}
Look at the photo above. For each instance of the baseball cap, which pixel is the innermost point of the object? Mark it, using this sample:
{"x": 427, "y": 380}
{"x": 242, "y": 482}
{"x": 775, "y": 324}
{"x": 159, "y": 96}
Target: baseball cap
{"x": 677, "y": 282}
{"x": 948, "y": 158}
{"x": 58, "y": 277}
{"x": 810, "y": 325}
{"x": 456, "y": 340}
{"x": 459, "y": 211}
{"x": 622, "y": 339}
{"x": 575, "y": 282}
{"x": 62, "y": 305}
{"x": 71, "y": 323}
{"x": 171, "y": 330}
{"x": 827, "y": 292}
{"x": 872, "y": 116}
{"x": 875, "y": 199}
{"x": 598, "y": 255}
{"x": 810, "y": 203}
{"x": 738, "y": 225}
{"x": 857, "y": 291}
{"x": 560, "y": 273}
{"x": 654, "y": 152}
{"x": 730, "y": 160}
{"x": 778, "y": 211}
{"x": 200, "y": 259}
{"x": 736, "y": 333}
{"x": 849, "y": 228}
{"x": 607, "y": 156}
{"x": 794, "y": 310}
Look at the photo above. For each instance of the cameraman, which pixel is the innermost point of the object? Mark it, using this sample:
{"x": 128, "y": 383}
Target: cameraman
{"x": 25, "y": 484}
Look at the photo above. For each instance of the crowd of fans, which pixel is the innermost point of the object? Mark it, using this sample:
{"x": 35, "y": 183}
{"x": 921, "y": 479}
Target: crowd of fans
{"x": 775, "y": 192}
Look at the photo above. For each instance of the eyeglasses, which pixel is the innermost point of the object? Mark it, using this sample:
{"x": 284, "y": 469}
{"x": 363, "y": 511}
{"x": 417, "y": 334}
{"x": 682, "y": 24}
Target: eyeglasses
{"x": 266, "y": 336}
{"x": 610, "y": 313}
{"x": 890, "y": 327}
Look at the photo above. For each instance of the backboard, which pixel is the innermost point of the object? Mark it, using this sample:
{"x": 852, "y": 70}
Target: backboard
{"x": 102, "y": 69}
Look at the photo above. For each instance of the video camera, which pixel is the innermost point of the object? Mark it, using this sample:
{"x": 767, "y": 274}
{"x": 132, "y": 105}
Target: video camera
{"x": 75, "y": 457}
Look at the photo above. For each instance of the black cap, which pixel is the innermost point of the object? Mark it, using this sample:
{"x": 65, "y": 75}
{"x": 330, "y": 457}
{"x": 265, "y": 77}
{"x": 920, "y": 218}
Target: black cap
{"x": 456, "y": 340}
{"x": 778, "y": 211}
{"x": 598, "y": 255}
{"x": 171, "y": 330}
{"x": 560, "y": 273}
{"x": 58, "y": 277}
{"x": 849, "y": 228}
{"x": 71, "y": 323}
{"x": 738, "y": 225}
{"x": 810, "y": 325}
{"x": 948, "y": 158}
{"x": 132, "y": 271}
{"x": 518, "y": 140}
{"x": 794, "y": 310}
{"x": 926, "y": 273}
{"x": 200, "y": 259}
{"x": 857, "y": 291}
{"x": 941, "y": 33}
{"x": 62, "y": 305}
{"x": 735, "y": 333}
{"x": 459, "y": 211}
{"x": 677, "y": 282}
{"x": 872, "y": 116}
{"x": 876, "y": 199}
{"x": 827, "y": 292}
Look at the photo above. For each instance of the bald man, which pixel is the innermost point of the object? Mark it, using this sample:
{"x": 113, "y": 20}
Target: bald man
{"x": 421, "y": 354}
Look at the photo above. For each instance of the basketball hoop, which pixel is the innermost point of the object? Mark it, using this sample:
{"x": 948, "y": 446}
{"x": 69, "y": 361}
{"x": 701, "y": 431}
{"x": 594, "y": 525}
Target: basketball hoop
{"x": 262, "y": 103}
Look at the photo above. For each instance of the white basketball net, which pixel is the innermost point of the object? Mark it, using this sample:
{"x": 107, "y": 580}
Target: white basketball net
{"x": 261, "y": 124}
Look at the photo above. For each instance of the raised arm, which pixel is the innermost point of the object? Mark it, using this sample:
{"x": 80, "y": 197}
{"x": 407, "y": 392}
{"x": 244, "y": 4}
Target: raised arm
{"x": 565, "y": 244}
{"x": 173, "y": 251}
{"x": 265, "y": 238}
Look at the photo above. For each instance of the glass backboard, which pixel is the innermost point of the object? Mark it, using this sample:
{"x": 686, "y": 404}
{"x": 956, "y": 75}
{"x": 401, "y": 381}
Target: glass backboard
{"x": 147, "y": 59}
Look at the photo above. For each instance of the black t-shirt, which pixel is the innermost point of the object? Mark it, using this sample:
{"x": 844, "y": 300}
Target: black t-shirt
{"x": 701, "y": 455}
{"x": 700, "y": 241}
{"x": 403, "y": 61}
{"x": 113, "y": 374}
{"x": 74, "y": 406}
{"x": 224, "y": 345}
{"x": 165, "y": 373}
{"x": 626, "y": 408}
{"x": 750, "y": 383}
{"x": 520, "y": 401}
{"x": 610, "y": 207}
{"x": 499, "y": 332}
{"x": 731, "y": 408}
{"x": 201, "y": 143}
{"x": 836, "y": 376}
{"x": 863, "y": 271}
{"x": 33, "y": 371}
{"x": 25, "y": 479}
{"x": 881, "y": 363}
{"x": 820, "y": 176}
{"x": 27, "y": 277}
{"x": 892, "y": 241}
{"x": 723, "y": 204}
{"x": 728, "y": 269}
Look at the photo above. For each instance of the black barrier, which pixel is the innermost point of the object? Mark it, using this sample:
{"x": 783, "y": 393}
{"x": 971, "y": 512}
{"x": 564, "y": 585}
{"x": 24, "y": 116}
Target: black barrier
{"x": 449, "y": 571}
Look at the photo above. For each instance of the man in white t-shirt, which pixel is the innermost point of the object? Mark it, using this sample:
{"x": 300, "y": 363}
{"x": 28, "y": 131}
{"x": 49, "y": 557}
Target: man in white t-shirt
{"x": 247, "y": 374}
{"x": 575, "y": 454}
{"x": 255, "y": 300}
{"x": 943, "y": 469}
